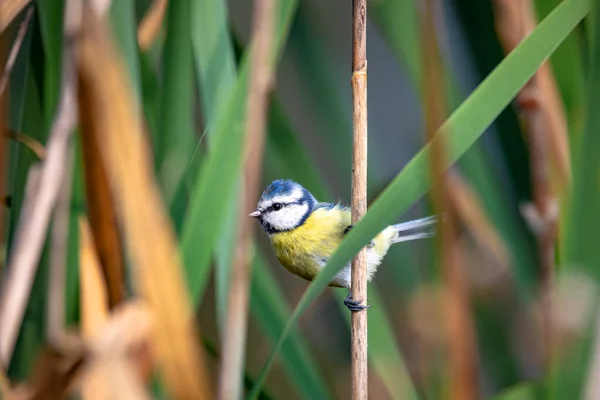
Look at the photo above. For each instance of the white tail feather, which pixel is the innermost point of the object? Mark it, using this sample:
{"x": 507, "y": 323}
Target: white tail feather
{"x": 422, "y": 228}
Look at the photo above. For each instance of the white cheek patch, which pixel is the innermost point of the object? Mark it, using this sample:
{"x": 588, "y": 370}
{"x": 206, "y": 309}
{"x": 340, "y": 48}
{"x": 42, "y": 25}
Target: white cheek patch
{"x": 292, "y": 197}
{"x": 288, "y": 217}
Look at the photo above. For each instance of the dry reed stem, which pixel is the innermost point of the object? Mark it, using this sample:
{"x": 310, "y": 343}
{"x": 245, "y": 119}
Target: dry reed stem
{"x": 543, "y": 114}
{"x": 14, "y": 51}
{"x": 360, "y": 377}
{"x": 9, "y": 9}
{"x": 462, "y": 369}
{"x": 107, "y": 97}
{"x": 55, "y": 311}
{"x": 32, "y": 144}
{"x": 43, "y": 186}
{"x": 150, "y": 25}
{"x": 102, "y": 214}
{"x": 260, "y": 84}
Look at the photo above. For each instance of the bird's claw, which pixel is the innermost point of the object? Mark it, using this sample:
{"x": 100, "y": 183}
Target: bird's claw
{"x": 354, "y": 305}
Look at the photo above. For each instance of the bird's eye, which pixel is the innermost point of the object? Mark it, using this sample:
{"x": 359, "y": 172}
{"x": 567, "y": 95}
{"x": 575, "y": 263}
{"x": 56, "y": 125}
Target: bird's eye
{"x": 277, "y": 206}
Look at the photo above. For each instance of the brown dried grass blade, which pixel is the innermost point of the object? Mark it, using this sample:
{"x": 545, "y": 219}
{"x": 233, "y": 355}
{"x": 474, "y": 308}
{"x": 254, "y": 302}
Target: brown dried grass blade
{"x": 151, "y": 23}
{"x": 539, "y": 100}
{"x": 107, "y": 98}
{"x": 102, "y": 214}
{"x": 9, "y": 9}
{"x": 94, "y": 296}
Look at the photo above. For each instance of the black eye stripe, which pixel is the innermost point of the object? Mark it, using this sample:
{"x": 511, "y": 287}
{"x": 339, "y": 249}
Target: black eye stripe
{"x": 279, "y": 206}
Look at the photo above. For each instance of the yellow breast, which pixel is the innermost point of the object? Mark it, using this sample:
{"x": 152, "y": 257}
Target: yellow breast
{"x": 303, "y": 250}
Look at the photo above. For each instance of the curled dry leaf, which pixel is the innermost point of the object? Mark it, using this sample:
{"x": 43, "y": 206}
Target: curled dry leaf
{"x": 107, "y": 98}
{"x": 120, "y": 361}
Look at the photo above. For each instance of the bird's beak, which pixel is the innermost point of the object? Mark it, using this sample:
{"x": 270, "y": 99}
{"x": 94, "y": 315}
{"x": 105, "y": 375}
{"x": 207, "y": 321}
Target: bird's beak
{"x": 255, "y": 214}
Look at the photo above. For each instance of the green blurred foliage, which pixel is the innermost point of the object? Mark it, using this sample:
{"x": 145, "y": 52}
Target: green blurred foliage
{"x": 192, "y": 90}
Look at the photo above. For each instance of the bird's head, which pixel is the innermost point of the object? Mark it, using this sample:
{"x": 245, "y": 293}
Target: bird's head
{"x": 283, "y": 206}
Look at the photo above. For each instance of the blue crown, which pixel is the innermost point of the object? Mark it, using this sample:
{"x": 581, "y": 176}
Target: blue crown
{"x": 280, "y": 187}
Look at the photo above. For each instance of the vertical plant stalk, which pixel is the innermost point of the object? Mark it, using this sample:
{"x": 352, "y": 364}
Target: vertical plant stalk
{"x": 544, "y": 118}
{"x": 43, "y": 186}
{"x": 102, "y": 214}
{"x": 55, "y": 321}
{"x": 107, "y": 96}
{"x": 4, "y": 161}
{"x": 360, "y": 388}
{"x": 261, "y": 79}
{"x": 461, "y": 351}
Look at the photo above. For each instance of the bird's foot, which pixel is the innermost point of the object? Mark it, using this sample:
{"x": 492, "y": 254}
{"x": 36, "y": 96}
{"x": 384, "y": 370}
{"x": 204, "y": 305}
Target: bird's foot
{"x": 354, "y": 305}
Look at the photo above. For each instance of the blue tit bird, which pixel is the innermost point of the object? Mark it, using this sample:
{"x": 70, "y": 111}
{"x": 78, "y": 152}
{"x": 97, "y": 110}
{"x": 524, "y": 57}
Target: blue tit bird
{"x": 304, "y": 233}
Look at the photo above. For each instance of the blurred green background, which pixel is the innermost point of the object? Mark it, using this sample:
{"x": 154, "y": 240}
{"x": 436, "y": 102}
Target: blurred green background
{"x": 191, "y": 86}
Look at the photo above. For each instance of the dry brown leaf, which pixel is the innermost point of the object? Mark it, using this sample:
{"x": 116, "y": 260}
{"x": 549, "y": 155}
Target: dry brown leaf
{"x": 94, "y": 297}
{"x": 102, "y": 217}
{"x": 151, "y": 24}
{"x": 9, "y": 9}
{"x": 108, "y": 99}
